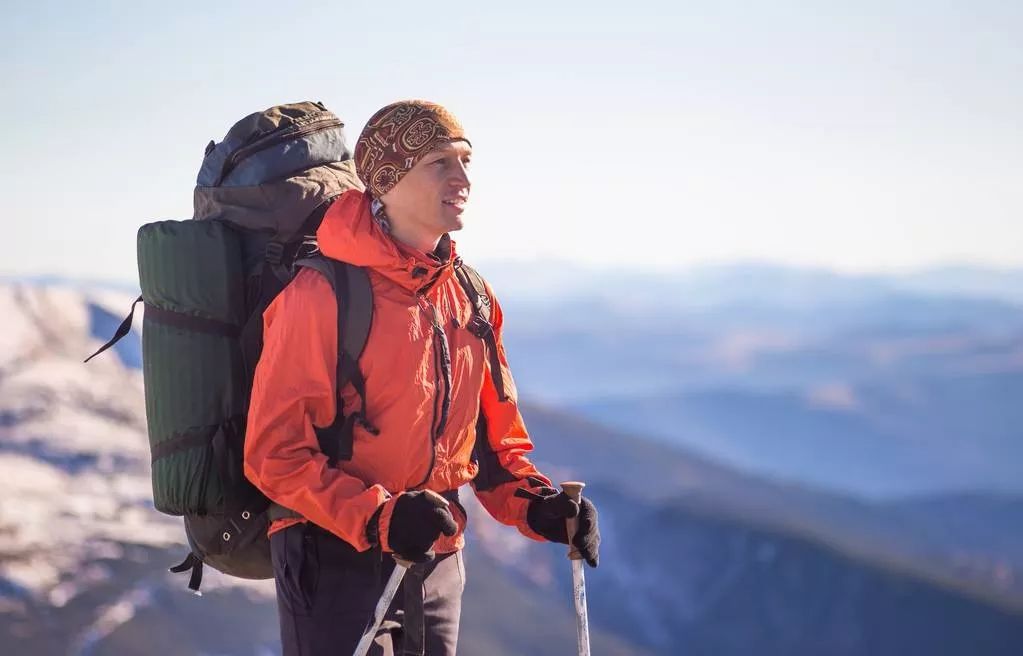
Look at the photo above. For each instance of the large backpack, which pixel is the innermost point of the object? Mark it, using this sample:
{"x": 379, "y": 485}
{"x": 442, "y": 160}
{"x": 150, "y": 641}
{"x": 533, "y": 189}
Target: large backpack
{"x": 261, "y": 194}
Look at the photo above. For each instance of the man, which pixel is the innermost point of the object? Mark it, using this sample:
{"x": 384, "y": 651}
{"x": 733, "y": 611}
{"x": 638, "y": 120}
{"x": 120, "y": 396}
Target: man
{"x": 433, "y": 390}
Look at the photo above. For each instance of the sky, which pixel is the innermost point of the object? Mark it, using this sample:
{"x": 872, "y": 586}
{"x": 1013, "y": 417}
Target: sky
{"x": 861, "y": 137}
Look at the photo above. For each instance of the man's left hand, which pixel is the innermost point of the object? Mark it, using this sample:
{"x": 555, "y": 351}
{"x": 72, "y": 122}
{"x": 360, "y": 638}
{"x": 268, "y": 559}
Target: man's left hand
{"x": 547, "y": 517}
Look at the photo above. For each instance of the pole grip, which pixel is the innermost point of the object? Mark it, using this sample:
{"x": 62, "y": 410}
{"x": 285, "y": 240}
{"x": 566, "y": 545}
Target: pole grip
{"x": 574, "y": 490}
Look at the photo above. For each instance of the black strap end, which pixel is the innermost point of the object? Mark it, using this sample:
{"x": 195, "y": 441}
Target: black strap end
{"x": 194, "y": 563}
{"x": 523, "y": 493}
{"x": 121, "y": 331}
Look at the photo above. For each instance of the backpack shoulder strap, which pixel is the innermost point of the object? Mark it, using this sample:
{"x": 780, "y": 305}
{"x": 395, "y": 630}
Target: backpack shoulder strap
{"x": 318, "y": 263}
{"x": 473, "y": 284}
{"x": 357, "y": 311}
{"x": 354, "y": 295}
{"x": 491, "y": 472}
{"x": 481, "y": 325}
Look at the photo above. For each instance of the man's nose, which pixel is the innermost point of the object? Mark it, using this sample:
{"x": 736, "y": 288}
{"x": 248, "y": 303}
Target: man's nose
{"x": 460, "y": 177}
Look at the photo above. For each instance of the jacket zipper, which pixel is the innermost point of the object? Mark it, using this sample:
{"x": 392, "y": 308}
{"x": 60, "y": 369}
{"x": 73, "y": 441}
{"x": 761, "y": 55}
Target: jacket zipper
{"x": 275, "y": 138}
{"x": 442, "y": 365}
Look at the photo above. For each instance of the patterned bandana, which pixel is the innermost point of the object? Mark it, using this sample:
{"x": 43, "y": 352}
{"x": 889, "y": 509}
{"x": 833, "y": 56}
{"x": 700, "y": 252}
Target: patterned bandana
{"x": 397, "y": 137}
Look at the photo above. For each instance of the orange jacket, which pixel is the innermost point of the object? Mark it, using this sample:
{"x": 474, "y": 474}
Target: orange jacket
{"x": 294, "y": 381}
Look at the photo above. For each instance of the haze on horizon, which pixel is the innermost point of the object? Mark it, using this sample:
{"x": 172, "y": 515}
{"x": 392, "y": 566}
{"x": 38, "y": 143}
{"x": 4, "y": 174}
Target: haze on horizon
{"x": 878, "y": 136}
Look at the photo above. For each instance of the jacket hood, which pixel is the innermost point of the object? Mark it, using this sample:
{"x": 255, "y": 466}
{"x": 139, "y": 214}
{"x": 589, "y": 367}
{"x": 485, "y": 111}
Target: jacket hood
{"x": 350, "y": 234}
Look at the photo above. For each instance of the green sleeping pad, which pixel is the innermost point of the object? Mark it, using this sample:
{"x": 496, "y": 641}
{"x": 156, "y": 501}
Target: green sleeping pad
{"x": 193, "y": 286}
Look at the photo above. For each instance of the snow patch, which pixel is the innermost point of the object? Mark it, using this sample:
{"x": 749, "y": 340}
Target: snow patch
{"x": 112, "y": 616}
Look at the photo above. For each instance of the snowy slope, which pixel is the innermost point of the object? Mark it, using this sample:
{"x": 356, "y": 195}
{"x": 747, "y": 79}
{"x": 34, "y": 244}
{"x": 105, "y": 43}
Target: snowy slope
{"x": 74, "y": 460}
{"x": 67, "y": 491}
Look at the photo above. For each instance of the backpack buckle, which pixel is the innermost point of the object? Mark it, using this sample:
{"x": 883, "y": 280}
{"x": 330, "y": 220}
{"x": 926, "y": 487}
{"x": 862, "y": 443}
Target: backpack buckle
{"x": 480, "y": 327}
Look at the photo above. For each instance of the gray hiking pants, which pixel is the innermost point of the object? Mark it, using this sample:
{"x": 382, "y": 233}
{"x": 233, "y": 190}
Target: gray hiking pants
{"x": 326, "y": 593}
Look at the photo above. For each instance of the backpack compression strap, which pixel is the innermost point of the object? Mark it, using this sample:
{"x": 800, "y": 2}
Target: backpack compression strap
{"x": 170, "y": 318}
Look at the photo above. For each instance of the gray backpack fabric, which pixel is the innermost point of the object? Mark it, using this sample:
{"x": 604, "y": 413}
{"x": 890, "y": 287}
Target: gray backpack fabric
{"x": 273, "y": 169}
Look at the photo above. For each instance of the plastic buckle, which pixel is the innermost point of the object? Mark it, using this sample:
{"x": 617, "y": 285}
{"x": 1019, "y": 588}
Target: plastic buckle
{"x": 479, "y": 326}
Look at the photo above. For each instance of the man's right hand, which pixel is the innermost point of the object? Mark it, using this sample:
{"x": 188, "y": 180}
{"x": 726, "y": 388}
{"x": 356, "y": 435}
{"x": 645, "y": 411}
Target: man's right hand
{"x": 416, "y": 521}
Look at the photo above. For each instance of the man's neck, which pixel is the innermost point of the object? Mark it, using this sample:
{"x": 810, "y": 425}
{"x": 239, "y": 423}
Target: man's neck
{"x": 424, "y": 243}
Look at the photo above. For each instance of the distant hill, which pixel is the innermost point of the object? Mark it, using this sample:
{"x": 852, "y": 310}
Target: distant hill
{"x": 746, "y": 327}
{"x": 977, "y": 282}
{"x": 960, "y": 539}
{"x": 870, "y": 385}
{"x": 880, "y": 440}
{"x": 745, "y": 283}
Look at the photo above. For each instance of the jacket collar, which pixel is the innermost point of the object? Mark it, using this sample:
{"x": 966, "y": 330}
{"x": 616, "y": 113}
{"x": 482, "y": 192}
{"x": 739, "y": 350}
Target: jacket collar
{"x": 350, "y": 234}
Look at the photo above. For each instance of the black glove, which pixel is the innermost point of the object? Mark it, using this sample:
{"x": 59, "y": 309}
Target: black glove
{"x": 547, "y": 513}
{"x": 416, "y": 523}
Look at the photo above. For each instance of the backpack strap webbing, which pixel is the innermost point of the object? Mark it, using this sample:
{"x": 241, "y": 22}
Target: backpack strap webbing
{"x": 193, "y": 563}
{"x": 276, "y": 271}
{"x": 170, "y": 318}
{"x": 121, "y": 331}
{"x": 354, "y": 296}
{"x": 481, "y": 325}
{"x": 491, "y": 472}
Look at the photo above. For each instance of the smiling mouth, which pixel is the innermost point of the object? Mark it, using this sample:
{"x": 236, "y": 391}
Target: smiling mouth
{"x": 458, "y": 203}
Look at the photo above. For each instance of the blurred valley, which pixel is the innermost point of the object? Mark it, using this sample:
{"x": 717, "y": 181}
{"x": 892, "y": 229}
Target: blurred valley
{"x": 785, "y": 462}
{"x": 874, "y": 387}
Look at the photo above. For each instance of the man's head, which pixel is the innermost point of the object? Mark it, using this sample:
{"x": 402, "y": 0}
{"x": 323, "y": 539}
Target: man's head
{"x": 423, "y": 147}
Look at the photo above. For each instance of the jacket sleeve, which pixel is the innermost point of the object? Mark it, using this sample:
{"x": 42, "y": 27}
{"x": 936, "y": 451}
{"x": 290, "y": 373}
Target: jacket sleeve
{"x": 292, "y": 391}
{"x": 502, "y": 452}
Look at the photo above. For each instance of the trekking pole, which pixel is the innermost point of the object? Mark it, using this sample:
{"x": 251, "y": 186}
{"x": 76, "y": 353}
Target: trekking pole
{"x": 400, "y": 568}
{"x": 582, "y": 626}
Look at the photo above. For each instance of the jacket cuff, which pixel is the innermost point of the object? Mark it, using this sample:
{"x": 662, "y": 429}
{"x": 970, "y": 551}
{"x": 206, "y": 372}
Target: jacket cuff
{"x": 373, "y": 528}
{"x": 383, "y": 522}
{"x": 530, "y": 489}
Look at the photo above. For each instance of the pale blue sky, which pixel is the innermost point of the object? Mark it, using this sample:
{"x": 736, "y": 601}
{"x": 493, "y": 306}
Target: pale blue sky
{"x": 860, "y": 136}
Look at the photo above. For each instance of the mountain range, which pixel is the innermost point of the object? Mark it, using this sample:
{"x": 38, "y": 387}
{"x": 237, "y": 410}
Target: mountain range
{"x": 872, "y": 386}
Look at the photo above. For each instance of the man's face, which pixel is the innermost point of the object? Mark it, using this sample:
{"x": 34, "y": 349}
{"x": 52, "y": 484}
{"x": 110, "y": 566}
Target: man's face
{"x": 431, "y": 197}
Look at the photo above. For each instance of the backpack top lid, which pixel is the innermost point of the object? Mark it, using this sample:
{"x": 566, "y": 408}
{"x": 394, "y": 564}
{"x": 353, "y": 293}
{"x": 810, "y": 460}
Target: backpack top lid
{"x": 274, "y": 168}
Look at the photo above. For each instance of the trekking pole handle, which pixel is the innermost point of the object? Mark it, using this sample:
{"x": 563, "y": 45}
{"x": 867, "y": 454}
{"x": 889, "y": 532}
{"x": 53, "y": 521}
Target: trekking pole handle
{"x": 574, "y": 490}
